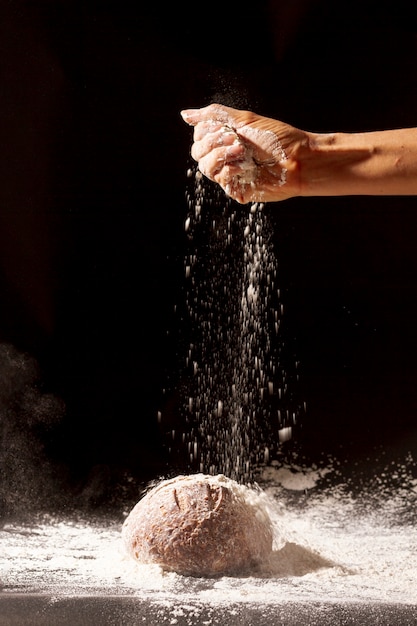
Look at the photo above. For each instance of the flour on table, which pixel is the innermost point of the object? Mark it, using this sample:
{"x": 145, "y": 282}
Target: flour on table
{"x": 337, "y": 544}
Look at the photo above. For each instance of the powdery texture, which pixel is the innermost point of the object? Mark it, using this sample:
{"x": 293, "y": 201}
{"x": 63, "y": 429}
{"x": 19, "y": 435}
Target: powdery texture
{"x": 248, "y": 166}
{"x": 199, "y": 525}
{"x": 351, "y": 539}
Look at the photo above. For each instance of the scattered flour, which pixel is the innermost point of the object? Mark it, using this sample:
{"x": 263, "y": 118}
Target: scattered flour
{"x": 333, "y": 545}
{"x": 293, "y": 478}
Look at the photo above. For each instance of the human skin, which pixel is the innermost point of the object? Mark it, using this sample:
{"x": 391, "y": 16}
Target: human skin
{"x": 260, "y": 159}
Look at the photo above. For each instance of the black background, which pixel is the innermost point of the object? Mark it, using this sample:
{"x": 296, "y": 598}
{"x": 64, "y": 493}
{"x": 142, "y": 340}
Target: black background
{"x": 92, "y": 205}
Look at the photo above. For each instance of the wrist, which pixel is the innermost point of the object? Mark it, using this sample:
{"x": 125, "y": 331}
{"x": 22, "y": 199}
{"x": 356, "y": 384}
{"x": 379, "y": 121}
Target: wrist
{"x": 334, "y": 163}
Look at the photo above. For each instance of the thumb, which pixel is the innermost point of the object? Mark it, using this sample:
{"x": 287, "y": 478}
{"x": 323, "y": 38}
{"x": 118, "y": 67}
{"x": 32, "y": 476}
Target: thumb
{"x": 191, "y": 116}
{"x": 216, "y": 113}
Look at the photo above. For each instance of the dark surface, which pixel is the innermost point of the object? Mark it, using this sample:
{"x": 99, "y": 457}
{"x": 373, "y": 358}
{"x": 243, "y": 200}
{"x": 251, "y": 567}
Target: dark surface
{"x": 112, "y": 611}
{"x": 92, "y": 181}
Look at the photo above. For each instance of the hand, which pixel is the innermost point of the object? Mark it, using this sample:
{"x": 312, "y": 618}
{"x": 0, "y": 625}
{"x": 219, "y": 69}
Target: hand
{"x": 253, "y": 158}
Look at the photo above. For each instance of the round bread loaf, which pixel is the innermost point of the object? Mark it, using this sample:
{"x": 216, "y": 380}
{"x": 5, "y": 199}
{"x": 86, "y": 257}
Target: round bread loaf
{"x": 200, "y": 525}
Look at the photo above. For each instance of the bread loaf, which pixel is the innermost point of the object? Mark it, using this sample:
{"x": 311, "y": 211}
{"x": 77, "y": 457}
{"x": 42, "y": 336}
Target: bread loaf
{"x": 199, "y": 525}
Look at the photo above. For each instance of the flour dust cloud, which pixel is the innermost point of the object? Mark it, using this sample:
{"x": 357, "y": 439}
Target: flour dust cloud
{"x": 27, "y": 415}
{"x": 236, "y": 396}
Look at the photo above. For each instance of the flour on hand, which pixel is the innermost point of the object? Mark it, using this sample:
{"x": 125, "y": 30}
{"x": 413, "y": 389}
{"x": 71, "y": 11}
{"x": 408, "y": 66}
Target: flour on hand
{"x": 250, "y": 167}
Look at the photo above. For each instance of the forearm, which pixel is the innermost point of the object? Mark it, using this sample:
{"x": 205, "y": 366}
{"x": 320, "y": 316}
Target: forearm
{"x": 371, "y": 163}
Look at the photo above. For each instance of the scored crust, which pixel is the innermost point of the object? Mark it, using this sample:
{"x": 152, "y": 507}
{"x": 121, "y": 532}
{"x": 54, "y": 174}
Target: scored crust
{"x": 199, "y": 525}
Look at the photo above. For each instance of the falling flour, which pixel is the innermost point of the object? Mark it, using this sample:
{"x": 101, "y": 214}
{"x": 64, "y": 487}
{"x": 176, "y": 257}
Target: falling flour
{"x": 237, "y": 401}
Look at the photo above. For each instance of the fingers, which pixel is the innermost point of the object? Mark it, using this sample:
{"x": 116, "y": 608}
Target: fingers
{"x": 191, "y": 116}
{"x": 218, "y": 159}
{"x": 218, "y": 149}
{"x": 215, "y": 146}
{"x": 206, "y": 140}
{"x": 204, "y": 128}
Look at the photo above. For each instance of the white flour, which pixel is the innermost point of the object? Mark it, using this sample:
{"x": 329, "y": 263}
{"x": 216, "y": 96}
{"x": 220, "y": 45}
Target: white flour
{"x": 249, "y": 168}
{"x": 237, "y": 401}
{"x": 332, "y": 546}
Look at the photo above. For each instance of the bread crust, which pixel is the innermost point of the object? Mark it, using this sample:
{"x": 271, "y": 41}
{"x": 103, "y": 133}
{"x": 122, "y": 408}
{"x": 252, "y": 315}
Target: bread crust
{"x": 199, "y": 525}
